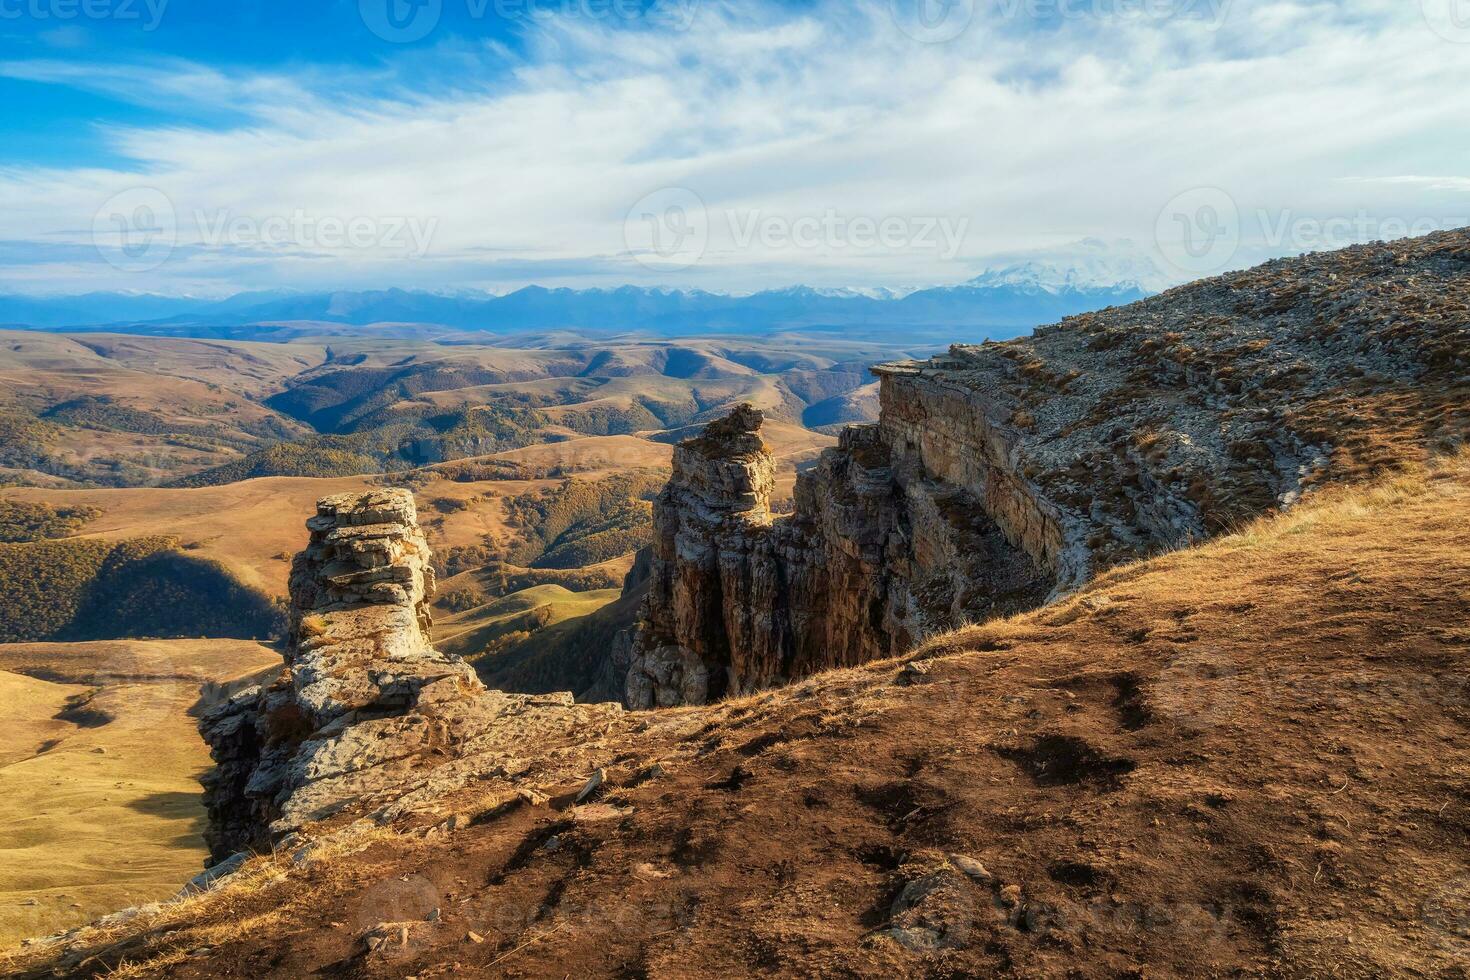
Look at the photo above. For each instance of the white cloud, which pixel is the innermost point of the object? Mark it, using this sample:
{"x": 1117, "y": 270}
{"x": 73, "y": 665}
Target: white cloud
{"x": 1461, "y": 184}
{"x": 1036, "y": 135}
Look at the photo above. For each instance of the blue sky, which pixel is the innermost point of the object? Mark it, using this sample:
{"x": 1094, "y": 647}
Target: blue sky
{"x": 196, "y": 147}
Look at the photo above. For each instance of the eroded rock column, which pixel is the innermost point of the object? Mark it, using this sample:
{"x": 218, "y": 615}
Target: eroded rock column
{"x": 711, "y": 525}
{"x": 365, "y": 709}
{"x": 877, "y": 556}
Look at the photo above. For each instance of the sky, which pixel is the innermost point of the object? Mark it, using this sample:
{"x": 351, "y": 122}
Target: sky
{"x": 201, "y": 148}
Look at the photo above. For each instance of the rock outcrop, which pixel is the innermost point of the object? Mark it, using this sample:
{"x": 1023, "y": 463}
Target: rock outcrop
{"x": 708, "y": 525}
{"x": 366, "y": 709}
{"x": 876, "y": 557}
{"x": 1001, "y": 474}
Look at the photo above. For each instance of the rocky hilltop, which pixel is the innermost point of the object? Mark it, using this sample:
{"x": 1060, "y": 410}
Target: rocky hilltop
{"x": 366, "y": 710}
{"x": 1245, "y": 758}
{"x": 1005, "y": 473}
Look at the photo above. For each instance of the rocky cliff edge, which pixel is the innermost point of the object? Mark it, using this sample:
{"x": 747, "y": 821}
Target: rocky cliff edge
{"x": 366, "y": 711}
{"x": 1003, "y": 475}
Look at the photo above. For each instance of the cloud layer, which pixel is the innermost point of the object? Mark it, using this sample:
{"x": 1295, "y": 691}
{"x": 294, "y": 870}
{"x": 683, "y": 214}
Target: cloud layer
{"x": 763, "y": 147}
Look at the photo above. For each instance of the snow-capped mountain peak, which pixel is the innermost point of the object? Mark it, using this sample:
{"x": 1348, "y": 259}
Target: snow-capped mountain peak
{"x": 1089, "y": 265}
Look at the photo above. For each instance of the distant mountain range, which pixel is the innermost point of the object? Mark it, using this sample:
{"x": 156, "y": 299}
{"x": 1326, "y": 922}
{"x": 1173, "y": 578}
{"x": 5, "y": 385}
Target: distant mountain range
{"x": 1002, "y": 303}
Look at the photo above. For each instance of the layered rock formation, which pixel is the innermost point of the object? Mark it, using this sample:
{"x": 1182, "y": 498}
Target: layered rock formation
{"x": 876, "y": 557}
{"x": 1000, "y": 474}
{"x": 365, "y": 708}
{"x": 708, "y": 533}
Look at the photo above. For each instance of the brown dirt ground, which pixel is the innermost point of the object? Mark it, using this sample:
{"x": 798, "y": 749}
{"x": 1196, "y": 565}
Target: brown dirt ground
{"x": 1246, "y": 759}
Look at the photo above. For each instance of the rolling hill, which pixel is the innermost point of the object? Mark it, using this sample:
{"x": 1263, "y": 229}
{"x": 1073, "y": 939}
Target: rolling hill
{"x": 1242, "y": 758}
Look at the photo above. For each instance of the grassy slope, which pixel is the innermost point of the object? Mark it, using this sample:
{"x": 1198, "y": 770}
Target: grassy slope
{"x": 246, "y": 525}
{"x": 572, "y": 654}
{"x": 84, "y": 832}
{"x": 467, "y": 634}
{"x": 256, "y": 369}
{"x": 584, "y": 454}
{"x": 242, "y": 525}
{"x": 185, "y": 383}
{"x": 1249, "y": 757}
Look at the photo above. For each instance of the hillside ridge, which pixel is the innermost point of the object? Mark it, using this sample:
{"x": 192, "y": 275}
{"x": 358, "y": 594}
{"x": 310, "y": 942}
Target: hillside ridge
{"x": 1247, "y": 758}
{"x": 1154, "y": 668}
{"x": 1000, "y": 475}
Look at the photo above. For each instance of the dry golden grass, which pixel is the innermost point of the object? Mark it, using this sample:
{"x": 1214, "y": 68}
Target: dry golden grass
{"x": 31, "y": 709}
{"x": 253, "y": 527}
{"x": 190, "y": 383}
{"x": 103, "y": 811}
{"x": 467, "y": 634}
{"x": 1248, "y": 758}
{"x": 244, "y": 526}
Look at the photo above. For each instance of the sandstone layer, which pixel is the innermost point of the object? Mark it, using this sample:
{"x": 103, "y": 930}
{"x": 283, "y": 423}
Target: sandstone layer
{"x": 365, "y": 709}
{"x": 1004, "y": 473}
